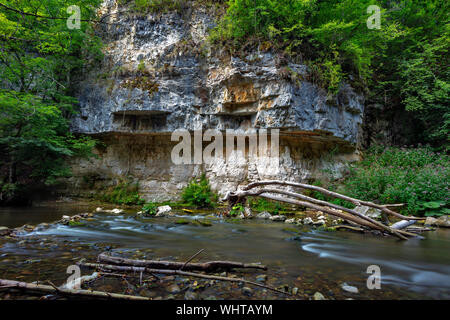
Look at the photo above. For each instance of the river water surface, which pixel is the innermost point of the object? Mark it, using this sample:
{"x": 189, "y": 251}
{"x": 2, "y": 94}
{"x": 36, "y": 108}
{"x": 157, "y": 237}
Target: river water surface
{"x": 308, "y": 259}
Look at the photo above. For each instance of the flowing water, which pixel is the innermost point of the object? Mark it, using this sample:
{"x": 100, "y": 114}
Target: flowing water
{"x": 308, "y": 259}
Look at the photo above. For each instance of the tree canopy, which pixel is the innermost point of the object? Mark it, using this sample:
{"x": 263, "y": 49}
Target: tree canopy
{"x": 401, "y": 65}
{"x": 40, "y": 60}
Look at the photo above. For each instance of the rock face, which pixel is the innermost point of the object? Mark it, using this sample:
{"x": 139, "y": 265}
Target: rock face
{"x": 159, "y": 74}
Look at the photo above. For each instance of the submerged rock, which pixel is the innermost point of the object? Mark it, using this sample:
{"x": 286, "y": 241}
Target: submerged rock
{"x": 189, "y": 295}
{"x": 247, "y": 291}
{"x": 261, "y": 278}
{"x": 318, "y": 296}
{"x": 348, "y": 288}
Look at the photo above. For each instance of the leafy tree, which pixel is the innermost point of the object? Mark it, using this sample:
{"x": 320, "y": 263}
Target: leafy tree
{"x": 40, "y": 60}
{"x": 401, "y": 66}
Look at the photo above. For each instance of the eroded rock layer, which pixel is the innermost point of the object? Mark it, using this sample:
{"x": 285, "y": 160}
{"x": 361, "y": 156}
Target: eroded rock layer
{"x": 159, "y": 74}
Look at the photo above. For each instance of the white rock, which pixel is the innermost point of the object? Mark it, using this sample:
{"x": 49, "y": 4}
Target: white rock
{"x": 291, "y": 221}
{"x": 307, "y": 220}
{"x": 319, "y": 222}
{"x": 248, "y": 213}
{"x": 318, "y": 296}
{"x": 99, "y": 209}
{"x": 263, "y": 215}
{"x": 322, "y": 218}
{"x": 348, "y": 288}
{"x": 278, "y": 218}
{"x": 65, "y": 217}
{"x": 163, "y": 211}
{"x": 117, "y": 211}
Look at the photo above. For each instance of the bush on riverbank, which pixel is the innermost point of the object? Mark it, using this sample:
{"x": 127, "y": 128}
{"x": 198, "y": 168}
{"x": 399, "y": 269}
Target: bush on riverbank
{"x": 126, "y": 193}
{"x": 417, "y": 177}
{"x": 198, "y": 193}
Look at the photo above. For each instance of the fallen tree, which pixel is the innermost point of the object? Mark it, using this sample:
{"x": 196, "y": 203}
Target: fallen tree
{"x": 134, "y": 269}
{"x": 41, "y": 288}
{"x": 325, "y": 207}
{"x": 172, "y": 265}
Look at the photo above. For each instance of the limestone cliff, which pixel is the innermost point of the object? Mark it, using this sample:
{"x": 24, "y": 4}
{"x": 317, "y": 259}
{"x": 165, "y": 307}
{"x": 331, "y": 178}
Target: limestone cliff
{"x": 159, "y": 74}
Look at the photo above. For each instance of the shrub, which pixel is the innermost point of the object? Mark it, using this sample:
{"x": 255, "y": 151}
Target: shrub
{"x": 123, "y": 193}
{"x": 237, "y": 210}
{"x": 417, "y": 177}
{"x": 261, "y": 204}
{"x": 149, "y": 209}
{"x": 198, "y": 193}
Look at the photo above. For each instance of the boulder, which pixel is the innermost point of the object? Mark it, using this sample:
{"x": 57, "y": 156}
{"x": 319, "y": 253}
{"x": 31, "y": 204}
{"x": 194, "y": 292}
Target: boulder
{"x": 443, "y": 221}
{"x": 278, "y": 218}
{"x": 263, "y": 215}
{"x": 291, "y": 221}
{"x": 163, "y": 211}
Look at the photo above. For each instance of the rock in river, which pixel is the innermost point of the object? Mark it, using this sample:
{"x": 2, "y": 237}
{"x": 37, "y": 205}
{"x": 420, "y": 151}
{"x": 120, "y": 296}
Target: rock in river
{"x": 318, "y": 296}
{"x": 4, "y": 231}
{"x": 443, "y": 221}
{"x": 263, "y": 215}
{"x": 278, "y": 218}
{"x": 348, "y": 288}
{"x": 163, "y": 211}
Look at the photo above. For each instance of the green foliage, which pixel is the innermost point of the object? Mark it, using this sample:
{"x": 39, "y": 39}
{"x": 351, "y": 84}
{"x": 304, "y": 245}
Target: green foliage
{"x": 73, "y": 223}
{"x": 401, "y": 66}
{"x": 39, "y": 60}
{"x": 149, "y": 209}
{"x": 417, "y": 177}
{"x": 198, "y": 193}
{"x": 237, "y": 210}
{"x": 155, "y": 6}
{"x": 320, "y": 196}
{"x": 261, "y": 204}
{"x": 126, "y": 193}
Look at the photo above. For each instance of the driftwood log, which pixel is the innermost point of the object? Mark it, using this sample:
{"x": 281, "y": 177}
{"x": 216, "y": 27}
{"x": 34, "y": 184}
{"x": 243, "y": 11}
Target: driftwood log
{"x": 171, "y": 265}
{"x": 302, "y": 200}
{"x": 33, "y": 287}
{"x": 134, "y": 269}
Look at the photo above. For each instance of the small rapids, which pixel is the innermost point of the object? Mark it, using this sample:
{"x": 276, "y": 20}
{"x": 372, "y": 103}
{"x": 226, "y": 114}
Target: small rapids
{"x": 308, "y": 259}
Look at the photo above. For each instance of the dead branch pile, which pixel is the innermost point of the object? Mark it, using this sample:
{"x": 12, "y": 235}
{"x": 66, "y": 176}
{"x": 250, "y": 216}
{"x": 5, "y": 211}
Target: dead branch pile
{"x": 259, "y": 189}
{"x": 114, "y": 266}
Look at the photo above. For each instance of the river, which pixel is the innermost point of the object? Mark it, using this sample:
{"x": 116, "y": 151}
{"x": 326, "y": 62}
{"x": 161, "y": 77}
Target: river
{"x": 301, "y": 257}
